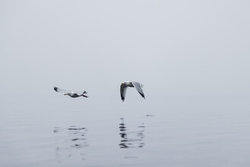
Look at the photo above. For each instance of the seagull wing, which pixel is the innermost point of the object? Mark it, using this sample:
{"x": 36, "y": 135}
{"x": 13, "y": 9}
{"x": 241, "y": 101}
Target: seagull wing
{"x": 59, "y": 90}
{"x": 137, "y": 85}
{"x": 123, "y": 89}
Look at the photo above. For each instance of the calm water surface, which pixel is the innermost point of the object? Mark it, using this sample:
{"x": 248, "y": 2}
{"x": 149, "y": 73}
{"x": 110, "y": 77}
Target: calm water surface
{"x": 51, "y": 130}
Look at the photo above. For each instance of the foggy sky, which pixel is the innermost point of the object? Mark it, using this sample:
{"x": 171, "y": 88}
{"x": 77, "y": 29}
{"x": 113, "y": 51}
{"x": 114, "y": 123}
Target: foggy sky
{"x": 172, "y": 47}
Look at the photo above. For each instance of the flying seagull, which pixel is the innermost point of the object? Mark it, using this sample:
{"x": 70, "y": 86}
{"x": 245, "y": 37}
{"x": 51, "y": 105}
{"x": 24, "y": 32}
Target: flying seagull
{"x": 72, "y": 94}
{"x": 124, "y": 86}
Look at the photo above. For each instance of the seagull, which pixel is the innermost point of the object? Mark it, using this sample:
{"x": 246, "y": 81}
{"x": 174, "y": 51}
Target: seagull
{"x": 124, "y": 86}
{"x": 72, "y": 94}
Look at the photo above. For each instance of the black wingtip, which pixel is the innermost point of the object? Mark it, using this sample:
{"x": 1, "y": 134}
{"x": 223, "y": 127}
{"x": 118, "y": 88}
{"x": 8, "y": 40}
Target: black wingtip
{"x": 142, "y": 95}
{"x": 55, "y": 88}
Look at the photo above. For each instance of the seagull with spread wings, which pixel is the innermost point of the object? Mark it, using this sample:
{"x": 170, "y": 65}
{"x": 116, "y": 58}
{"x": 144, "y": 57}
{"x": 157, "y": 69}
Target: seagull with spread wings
{"x": 137, "y": 86}
{"x": 72, "y": 94}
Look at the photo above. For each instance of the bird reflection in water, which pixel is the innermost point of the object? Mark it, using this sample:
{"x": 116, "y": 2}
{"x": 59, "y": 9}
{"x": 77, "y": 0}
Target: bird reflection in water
{"x": 131, "y": 139}
{"x": 70, "y": 142}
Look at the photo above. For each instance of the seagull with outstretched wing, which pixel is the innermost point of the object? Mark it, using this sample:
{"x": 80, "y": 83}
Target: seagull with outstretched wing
{"x": 124, "y": 86}
{"x": 72, "y": 94}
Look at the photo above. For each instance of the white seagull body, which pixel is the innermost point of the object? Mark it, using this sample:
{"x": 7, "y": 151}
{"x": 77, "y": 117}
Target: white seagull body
{"x": 72, "y": 94}
{"x": 124, "y": 86}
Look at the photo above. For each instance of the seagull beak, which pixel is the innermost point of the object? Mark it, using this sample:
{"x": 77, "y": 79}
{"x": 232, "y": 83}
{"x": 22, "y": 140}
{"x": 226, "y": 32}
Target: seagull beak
{"x": 65, "y": 93}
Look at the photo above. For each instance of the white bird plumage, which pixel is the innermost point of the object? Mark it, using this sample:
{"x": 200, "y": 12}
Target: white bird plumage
{"x": 124, "y": 86}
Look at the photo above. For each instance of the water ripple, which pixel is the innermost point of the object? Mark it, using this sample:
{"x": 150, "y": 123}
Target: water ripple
{"x": 131, "y": 139}
{"x": 70, "y": 142}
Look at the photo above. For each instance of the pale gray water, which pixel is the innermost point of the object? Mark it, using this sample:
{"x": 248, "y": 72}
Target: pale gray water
{"x": 54, "y": 130}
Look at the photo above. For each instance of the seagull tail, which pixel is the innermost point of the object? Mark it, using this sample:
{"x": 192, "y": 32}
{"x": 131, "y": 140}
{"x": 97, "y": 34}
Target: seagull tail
{"x": 84, "y": 96}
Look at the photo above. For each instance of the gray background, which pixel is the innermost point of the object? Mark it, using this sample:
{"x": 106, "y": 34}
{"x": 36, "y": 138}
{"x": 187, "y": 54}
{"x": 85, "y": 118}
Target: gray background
{"x": 172, "y": 47}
